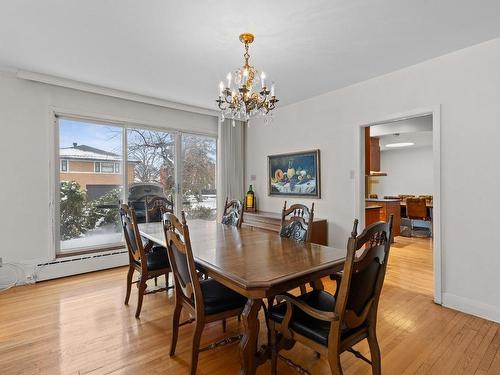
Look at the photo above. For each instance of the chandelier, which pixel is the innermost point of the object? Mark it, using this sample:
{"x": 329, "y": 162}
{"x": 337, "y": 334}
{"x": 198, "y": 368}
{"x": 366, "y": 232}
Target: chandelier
{"x": 246, "y": 94}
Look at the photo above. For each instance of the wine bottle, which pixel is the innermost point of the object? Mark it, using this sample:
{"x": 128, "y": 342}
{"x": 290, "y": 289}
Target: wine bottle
{"x": 250, "y": 199}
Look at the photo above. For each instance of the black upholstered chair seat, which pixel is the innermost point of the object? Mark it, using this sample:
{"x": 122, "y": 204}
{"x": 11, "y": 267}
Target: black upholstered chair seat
{"x": 157, "y": 258}
{"x": 306, "y": 325}
{"x": 218, "y": 298}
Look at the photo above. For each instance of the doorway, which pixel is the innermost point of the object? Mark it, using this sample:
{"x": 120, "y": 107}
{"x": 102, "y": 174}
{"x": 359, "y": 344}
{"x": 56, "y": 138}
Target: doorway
{"x": 400, "y": 168}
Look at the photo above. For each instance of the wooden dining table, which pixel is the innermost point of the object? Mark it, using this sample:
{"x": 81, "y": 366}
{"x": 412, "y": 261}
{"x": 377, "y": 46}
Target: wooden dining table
{"x": 257, "y": 264}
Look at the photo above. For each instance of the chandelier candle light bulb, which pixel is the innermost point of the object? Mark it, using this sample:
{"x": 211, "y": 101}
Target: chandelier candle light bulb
{"x": 243, "y": 100}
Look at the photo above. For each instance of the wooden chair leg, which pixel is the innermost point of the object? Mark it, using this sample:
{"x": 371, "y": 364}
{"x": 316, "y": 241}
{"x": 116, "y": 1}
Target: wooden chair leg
{"x": 196, "y": 345}
{"x": 166, "y": 281}
{"x": 335, "y": 366}
{"x": 303, "y": 289}
{"x": 142, "y": 290}
{"x": 156, "y": 281}
{"x": 175, "y": 328}
{"x": 224, "y": 325}
{"x": 274, "y": 353}
{"x": 130, "y": 274}
{"x": 374, "y": 352}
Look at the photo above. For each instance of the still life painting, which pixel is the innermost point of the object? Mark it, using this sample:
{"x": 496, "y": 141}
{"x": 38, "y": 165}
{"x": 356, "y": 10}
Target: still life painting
{"x": 295, "y": 174}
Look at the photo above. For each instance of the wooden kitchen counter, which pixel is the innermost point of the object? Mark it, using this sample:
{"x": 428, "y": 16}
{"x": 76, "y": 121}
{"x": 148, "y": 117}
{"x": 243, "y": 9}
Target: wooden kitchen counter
{"x": 385, "y": 208}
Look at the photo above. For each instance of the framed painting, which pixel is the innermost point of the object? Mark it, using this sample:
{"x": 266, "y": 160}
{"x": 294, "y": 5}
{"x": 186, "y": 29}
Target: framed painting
{"x": 295, "y": 174}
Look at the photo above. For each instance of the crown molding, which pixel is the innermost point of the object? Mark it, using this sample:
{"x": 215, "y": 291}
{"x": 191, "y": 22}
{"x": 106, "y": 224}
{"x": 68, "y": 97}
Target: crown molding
{"x": 101, "y": 90}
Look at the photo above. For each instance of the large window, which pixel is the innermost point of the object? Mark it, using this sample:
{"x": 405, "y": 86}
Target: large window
{"x": 104, "y": 164}
{"x": 88, "y": 201}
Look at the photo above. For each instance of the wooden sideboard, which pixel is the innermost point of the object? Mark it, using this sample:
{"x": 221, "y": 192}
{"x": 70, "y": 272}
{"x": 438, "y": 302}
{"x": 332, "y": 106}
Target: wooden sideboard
{"x": 271, "y": 221}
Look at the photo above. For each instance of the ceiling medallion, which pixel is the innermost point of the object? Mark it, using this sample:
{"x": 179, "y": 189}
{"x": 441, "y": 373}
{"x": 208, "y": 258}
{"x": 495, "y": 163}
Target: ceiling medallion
{"x": 241, "y": 98}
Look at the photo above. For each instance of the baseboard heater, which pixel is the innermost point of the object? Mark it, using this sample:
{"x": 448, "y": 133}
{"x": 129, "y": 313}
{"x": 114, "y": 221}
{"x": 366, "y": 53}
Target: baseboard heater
{"x": 80, "y": 264}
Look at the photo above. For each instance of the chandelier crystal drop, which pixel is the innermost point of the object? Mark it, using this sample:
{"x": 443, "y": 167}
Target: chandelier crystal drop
{"x": 246, "y": 94}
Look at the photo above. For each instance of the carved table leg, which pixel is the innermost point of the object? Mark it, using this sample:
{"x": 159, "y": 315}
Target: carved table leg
{"x": 248, "y": 344}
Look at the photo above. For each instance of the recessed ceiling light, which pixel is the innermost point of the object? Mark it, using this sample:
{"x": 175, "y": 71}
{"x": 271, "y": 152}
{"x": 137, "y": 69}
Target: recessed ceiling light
{"x": 401, "y": 144}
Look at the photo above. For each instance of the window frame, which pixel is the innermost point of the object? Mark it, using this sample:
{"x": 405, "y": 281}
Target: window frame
{"x": 125, "y": 125}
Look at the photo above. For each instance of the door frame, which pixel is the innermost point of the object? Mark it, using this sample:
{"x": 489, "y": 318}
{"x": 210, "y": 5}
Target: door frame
{"x": 435, "y": 111}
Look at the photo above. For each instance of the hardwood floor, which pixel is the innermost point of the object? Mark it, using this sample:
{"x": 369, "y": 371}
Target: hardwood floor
{"x": 79, "y": 325}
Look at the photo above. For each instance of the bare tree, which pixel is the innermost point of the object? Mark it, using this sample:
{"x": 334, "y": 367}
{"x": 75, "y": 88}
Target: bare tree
{"x": 155, "y": 152}
{"x": 198, "y": 164}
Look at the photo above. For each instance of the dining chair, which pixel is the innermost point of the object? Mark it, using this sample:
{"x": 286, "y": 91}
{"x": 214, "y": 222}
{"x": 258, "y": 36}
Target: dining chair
{"x": 332, "y": 325}
{"x": 296, "y": 224}
{"x": 157, "y": 207}
{"x": 149, "y": 261}
{"x": 233, "y": 213}
{"x": 416, "y": 209}
{"x": 205, "y": 300}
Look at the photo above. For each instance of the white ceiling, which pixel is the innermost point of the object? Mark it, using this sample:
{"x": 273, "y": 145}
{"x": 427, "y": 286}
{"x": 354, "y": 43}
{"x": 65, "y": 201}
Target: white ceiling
{"x": 180, "y": 50}
{"x": 417, "y": 130}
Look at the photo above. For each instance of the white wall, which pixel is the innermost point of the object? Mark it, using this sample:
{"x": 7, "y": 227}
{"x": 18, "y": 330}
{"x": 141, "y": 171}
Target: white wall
{"x": 26, "y": 125}
{"x": 409, "y": 171}
{"x": 466, "y": 84}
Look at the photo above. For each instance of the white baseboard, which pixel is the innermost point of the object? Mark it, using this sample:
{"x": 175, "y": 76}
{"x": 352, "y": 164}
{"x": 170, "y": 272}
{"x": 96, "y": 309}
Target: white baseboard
{"x": 73, "y": 266}
{"x": 472, "y": 307}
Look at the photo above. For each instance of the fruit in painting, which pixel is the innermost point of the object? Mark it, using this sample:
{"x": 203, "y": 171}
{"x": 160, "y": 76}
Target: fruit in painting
{"x": 279, "y": 175}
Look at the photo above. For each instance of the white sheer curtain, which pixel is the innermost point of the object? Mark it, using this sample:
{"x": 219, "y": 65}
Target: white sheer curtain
{"x": 230, "y": 163}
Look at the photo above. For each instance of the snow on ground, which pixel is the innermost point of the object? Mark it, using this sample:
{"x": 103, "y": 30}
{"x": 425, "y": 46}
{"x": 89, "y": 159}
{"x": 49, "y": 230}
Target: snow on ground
{"x": 108, "y": 236}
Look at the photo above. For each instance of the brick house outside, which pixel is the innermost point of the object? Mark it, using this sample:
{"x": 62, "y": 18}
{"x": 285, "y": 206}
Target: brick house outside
{"x": 97, "y": 171}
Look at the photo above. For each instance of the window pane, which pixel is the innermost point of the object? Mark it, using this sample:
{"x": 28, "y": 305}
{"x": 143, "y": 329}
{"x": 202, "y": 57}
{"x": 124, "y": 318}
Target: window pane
{"x": 151, "y": 172}
{"x": 88, "y": 205}
{"x": 64, "y": 165}
{"x": 107, "y": 167}
{"x": 199, "y": 193}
